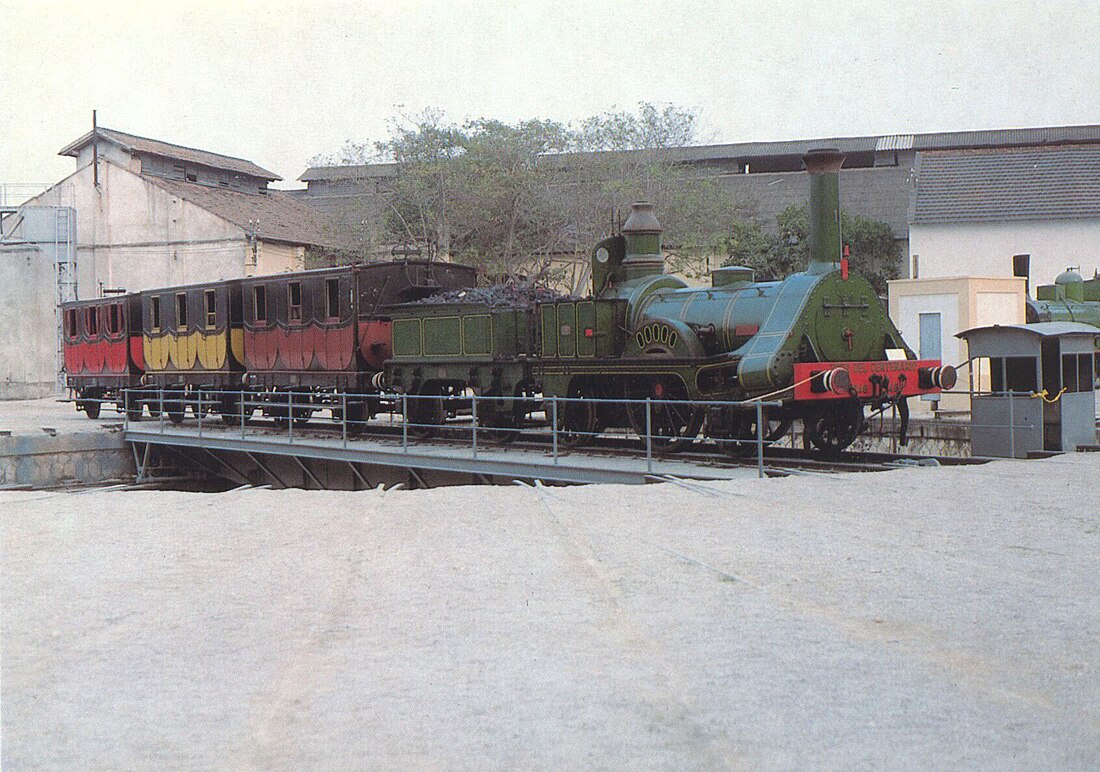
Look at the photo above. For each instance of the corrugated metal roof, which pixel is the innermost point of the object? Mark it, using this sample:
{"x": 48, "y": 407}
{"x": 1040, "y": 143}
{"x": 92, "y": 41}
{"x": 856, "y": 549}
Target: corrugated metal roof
{"x": 1043, "y": 329}
{"x": 350, "y": 172}
{"x": 1006, "y": 137}
{"x": 1035, "y": 183}
{"x": 895, "y": 142}
{"x": 138, "y": 144}
{"x": 278, "y": 216}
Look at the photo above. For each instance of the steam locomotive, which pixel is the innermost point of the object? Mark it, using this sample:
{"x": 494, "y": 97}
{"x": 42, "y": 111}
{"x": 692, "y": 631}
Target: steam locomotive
{"x": 643, "y": 350}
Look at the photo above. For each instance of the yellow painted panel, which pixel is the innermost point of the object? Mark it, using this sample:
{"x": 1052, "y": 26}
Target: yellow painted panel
{"x": 236, "y": 343}
{"x": 155, "y": 351}
{"x": 211, "y": 349}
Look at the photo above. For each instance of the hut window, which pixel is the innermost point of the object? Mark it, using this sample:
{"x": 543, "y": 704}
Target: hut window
{"x": 181, "y": 311}
{"x": 114, "y": 318}
{"x": 259, "y": 298}
{"x": 70, "y": 322}
{"x": 1077, "y": 372}
{"x": 332, "y": 298}
{"x": 211, "y": 309}
{"x": 1019, "y": 375}
{"x": 154, "y": 304}
{"x": 91, "y": 321}
{"x": 294, "y": 300}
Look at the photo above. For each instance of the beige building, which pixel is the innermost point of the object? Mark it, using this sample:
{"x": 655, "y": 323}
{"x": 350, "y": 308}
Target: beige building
{"x": 146, "y": 214}
{"x": 154, "y": 214}
{"x": 929, "y": 312}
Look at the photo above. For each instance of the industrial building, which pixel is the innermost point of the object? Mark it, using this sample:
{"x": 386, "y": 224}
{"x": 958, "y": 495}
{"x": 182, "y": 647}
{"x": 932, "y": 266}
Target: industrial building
{"x": 136, "y": 213}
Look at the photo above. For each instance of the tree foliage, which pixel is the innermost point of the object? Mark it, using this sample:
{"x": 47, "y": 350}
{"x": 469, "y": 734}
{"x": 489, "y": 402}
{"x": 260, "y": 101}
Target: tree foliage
{"x": 517, "y": 198}
{"x": 873, "y": 250}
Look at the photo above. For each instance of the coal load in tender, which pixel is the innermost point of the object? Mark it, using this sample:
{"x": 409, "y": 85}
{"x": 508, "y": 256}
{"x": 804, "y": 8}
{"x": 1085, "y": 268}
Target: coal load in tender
{"x": 506, "y": 295}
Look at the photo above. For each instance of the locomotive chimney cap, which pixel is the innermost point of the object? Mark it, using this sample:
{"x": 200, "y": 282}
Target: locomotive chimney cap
{"x": 822, "y": 160}
{"x": 641, "y": 219}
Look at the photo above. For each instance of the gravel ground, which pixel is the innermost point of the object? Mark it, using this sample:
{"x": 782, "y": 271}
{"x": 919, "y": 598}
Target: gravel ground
{"x": 923, "y": 618}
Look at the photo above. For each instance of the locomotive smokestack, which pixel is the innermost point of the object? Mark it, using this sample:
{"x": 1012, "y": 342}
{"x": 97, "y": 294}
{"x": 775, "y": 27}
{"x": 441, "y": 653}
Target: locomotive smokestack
{"x": 643, "y": 242}
{"x": 825, "y": 247}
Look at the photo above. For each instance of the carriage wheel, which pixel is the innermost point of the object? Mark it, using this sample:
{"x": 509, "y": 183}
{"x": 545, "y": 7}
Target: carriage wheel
{"x": 132, "y": 405}
{"x": 674, "y": 425}
{"x": 89, "y": 404}
{"x": 832, "y": 429}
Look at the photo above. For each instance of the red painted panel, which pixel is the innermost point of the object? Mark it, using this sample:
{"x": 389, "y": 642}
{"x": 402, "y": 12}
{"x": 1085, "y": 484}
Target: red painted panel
{"x": 376, "y": 342}
{"x": 341, "y": 347}
{"x": 291, "y": 347}
{"x": 261, "y": 348}
{"x": 94, "y": 356}
{"x": 115, "y": 356}
{"x": 74, "y": 357}
{"x": 137, "y": 353}
{"x": 868, "y": 378}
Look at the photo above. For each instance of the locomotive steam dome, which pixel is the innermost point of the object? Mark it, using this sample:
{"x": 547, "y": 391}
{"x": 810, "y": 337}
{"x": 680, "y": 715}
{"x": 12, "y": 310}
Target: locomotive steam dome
{"x": 642, "y": 233}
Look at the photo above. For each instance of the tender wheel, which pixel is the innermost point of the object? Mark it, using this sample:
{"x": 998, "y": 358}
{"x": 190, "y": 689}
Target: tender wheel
{"x": 833, "y": 428}
{"x": 674, "y": 423}
{"x": 578, "y": 421}
{"x": 426, "y": 414}
{"x": 496, "y": 425}
{"x": 735, "y": 429}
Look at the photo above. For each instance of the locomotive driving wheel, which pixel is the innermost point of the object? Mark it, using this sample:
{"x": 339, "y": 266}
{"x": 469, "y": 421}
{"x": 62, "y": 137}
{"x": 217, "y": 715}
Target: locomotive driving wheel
{"x": 673, "y": 422}
{"x": 426, "y": 413}
{"x": 833, "y": 428}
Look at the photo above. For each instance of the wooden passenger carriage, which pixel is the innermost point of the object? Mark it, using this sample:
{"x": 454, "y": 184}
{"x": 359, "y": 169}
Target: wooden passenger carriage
{"x": 101, "y": 345}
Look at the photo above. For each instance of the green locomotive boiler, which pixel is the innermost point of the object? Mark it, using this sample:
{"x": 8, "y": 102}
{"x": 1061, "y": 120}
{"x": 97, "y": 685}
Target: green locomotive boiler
{"x": 819, "y": 342}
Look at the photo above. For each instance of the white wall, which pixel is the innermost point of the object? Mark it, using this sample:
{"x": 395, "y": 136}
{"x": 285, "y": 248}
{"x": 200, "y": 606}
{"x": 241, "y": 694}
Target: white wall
{"x": 986, "y": 249}
{"x": 135, "y": 235}
{"x": 28, "y": 339}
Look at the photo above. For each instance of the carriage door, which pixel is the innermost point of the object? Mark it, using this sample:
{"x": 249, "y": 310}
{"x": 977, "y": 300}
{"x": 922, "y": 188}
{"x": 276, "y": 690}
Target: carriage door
{"x": 1052, "y": 382}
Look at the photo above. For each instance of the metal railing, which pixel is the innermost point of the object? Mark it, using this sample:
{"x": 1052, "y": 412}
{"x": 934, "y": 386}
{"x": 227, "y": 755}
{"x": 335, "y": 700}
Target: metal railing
{"x": 564, "y": 424}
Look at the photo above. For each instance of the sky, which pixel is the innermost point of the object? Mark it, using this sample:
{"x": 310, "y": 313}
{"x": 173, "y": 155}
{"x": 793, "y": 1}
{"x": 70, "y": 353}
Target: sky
{"x": 280, "y": 82}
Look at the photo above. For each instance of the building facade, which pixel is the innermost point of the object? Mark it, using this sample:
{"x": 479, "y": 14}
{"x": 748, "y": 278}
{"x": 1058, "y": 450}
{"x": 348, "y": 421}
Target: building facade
{"x": 144, "y": 213}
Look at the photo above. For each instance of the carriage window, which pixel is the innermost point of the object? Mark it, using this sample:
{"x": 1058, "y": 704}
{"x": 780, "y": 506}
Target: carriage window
{"x": 114, "y": 318}
{"x": 70, "y": 322}
{"x": 181, "y": 312}
{"x": 294, "y": 300}
{"x": 211, "y": 309}
{"x": 259, "y": 307}
{"x": 332, "y": 298}
{"x": 91, "y": 321}
{"x": 154, "y": 303}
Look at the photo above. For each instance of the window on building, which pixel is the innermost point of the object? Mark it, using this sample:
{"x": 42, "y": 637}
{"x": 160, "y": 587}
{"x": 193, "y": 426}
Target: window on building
{"x": 91, "y": 321}
{"x": 114, "y": 319}
{"x": 294, "y": 301}
{"x": 154, "y": 307}
{"x": 1077, "y": 372}
{"x": 70, "y": 323}
{"x": 259, "y": 302}
{"x": 332, "y": 298}
{"x": 211, "y": 309}
{"x": 1020, "y": 375}
{"x": 181, "y": 312}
